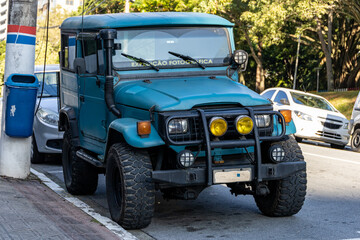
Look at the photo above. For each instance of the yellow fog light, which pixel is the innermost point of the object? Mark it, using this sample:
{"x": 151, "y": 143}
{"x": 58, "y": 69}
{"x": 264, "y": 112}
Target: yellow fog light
{"x": 244, "y": 124}
{"x": 218, "y": 126}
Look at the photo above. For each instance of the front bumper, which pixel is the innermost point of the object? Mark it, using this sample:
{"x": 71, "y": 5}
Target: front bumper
{"x": 48, "y": 138}
{"x": 198, "y": 176}
{"x": 316, "y": 131}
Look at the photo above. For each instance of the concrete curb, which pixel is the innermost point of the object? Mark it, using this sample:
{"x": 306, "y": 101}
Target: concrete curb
{"x": 108, "y": 223}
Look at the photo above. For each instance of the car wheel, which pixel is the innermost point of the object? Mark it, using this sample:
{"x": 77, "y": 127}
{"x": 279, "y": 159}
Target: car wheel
{"x": 337, "y": 146}
{"x": 129, "y": 188}
{"x": 81, "y": 178}
{"x": 286, "y": 195}
{"x": 36, "y": 156}
{"x": 355, "y": 140}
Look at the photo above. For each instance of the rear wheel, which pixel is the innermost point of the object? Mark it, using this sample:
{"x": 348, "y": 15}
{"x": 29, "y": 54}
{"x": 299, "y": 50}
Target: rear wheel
{"x": 129, "y": 188}
{"x": 81, "y": 178}
{"x": 36, "y": 156}
{"x": 355, "y": 140}
{"x": 287, "y": 195}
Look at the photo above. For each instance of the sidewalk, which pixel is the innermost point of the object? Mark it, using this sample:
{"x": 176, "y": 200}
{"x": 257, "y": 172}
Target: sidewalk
{"x": 29, "y": 210}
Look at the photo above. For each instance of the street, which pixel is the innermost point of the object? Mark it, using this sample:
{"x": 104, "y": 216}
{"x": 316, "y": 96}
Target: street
{"x": 331, "y": 209}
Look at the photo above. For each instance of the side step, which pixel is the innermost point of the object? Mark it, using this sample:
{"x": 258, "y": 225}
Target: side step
{"x": 88, "y": 158}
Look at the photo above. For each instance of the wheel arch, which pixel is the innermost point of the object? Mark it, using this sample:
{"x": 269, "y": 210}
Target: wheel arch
{"x": 125, "y": 130}
{"x": 67, "y": 120}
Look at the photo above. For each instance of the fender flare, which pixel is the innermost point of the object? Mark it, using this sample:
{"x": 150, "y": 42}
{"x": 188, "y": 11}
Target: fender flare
{"x": 67, "y": 119}
{"x": 127, "y": 127}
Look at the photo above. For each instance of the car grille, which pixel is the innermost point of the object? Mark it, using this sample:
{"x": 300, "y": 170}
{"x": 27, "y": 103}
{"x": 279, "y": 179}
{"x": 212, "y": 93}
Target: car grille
{"x": 328, "y": 135}
{"x": 334, "y": 124}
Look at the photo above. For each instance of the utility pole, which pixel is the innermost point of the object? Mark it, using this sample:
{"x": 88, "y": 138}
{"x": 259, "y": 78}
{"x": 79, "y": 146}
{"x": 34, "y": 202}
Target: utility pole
{"x": 20, "y": 58}
{"x": 297, "y": 61}
{"x": 317, "y": 78}
{"x": 127, "y": 6}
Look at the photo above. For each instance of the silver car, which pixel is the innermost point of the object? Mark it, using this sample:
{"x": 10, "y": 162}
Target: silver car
{"x": 46, "y": 138}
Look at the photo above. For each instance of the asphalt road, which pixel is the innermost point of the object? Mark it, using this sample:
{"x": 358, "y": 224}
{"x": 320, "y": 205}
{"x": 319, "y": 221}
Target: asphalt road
{"x": 331, "y": 209}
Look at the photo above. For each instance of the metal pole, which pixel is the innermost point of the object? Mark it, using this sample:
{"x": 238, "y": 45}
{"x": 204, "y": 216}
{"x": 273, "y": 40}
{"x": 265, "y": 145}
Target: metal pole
{"x": 317, "y": 79}
{"x": 20, "y": 58}
{"x": 297, "y": 61}
{"x": 127, "y": 6}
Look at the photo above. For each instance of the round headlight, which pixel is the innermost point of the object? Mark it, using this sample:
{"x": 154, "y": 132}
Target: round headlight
{"x": 244, "y": 124}
{"x": 277, "y": 153}
{"x": 218, "y": 126}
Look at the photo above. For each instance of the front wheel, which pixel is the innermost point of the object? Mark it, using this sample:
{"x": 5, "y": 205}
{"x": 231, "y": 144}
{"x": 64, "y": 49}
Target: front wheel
{"x": 287, "y": 195}
{"x": 129, "y": 188}
{"x": 36, "y": 156}
{"x": 355, "y": 140}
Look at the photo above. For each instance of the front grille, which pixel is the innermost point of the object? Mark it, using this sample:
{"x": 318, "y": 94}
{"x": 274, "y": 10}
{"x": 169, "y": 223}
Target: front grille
{"x": 331, "y": 125}
{"x": 328, "y": 135}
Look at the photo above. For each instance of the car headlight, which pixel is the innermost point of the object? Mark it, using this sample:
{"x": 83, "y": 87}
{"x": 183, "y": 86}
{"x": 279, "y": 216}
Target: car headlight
{"x": 244, "y": 124}
{"x": 48, "y": 116}
{"x": 218, "y": 126}
{"x": 303, "y": 116}
{"x": 262, "y": 120}
{"x": 178, "y": 126}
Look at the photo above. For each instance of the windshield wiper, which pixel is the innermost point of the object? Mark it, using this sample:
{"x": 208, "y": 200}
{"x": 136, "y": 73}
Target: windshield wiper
{"x": 140, "y": 60}
{"x": 187, "y": 58}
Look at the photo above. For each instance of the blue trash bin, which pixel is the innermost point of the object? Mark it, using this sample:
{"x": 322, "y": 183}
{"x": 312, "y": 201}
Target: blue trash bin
{"x": 21, "y": 95}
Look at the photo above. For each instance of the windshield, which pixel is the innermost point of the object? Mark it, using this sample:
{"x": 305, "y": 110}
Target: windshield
{"x": 208, "y": 46}
{"x": 311, "y": 101}
{"x": 50, "y": 86}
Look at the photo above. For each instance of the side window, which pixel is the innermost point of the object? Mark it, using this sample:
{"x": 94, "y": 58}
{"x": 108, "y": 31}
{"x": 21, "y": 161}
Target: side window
{"x": 268, "y": 94}
{"x": 93, "y": 55}
{"x": 279, "y": 96}
{"x": 68, "y": 47}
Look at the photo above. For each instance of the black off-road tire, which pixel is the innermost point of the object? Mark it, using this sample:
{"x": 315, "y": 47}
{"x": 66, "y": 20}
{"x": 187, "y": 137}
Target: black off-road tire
{"x": 81, "y": 178}
{"x": 36, "y": 156}
{"x": 129, "y": 187}
{"x": 287, "y": 195}
{"x": 355, "y": 140}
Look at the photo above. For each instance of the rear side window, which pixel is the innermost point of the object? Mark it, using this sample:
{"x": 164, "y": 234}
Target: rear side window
{"x": 268, "y": 94}
{"x": 68, "y": 50}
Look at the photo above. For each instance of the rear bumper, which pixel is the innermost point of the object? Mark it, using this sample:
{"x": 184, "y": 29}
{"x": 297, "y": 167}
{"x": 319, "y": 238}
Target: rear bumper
{"x": 198, "y": 176}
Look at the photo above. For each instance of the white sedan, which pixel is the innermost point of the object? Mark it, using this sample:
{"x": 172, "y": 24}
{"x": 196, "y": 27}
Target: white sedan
{"x": 314, "y": 117}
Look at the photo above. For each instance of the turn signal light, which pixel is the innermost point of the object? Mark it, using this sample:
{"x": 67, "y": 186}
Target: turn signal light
{"x": 144, "y": 128}
{"x": 287, "y": 115}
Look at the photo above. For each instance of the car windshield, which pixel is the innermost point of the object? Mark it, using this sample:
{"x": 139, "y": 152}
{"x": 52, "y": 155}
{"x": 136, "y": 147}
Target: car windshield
{"x": 311, "y": 101}
{"x": 50, "y": 84}
{"x": 207, "y": 46}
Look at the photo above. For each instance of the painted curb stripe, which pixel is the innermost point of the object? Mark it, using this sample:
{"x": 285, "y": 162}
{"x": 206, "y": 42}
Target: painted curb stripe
{"x": 21, "y": 29}
{"x": 20, "y": 39}
{"x": 108, "y": 223}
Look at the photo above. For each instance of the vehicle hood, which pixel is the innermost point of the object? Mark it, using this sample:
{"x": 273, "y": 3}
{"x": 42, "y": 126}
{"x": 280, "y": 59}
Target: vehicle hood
{"x": 50, "y": 103}
{"x": 185, "y": 93}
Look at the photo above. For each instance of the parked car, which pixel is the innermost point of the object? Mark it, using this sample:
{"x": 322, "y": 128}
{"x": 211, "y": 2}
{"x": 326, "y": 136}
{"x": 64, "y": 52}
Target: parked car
{"x": 354, "y": 126}
{"x": 46, "y": 138}
{"x": 314, "y": 117}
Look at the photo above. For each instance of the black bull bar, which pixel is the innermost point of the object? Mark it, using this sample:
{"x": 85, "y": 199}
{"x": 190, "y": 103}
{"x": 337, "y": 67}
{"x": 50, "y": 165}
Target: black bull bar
{"x": 260, "y": 171}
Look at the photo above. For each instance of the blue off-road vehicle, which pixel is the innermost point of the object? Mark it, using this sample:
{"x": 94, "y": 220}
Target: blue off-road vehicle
{"x": 152, "y": 100}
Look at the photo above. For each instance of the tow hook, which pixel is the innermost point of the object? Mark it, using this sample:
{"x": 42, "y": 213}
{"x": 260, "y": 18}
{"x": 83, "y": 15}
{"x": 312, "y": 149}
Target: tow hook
{"x": 262, "y": 190}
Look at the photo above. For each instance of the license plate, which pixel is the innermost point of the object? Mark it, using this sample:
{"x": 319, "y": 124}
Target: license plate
{"x": 232, "y": 175}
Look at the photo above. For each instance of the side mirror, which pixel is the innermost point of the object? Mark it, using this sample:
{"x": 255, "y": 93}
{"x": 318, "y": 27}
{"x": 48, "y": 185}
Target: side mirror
{"x": 240, "y": 58}
{"x": 79, "y": 66}
{"x": 284, "y": 101}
